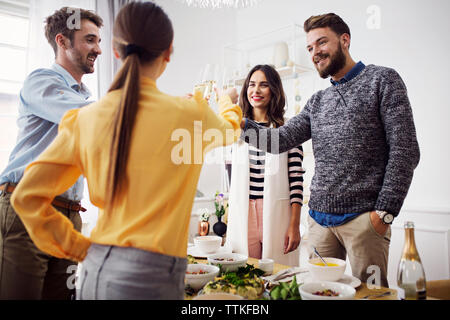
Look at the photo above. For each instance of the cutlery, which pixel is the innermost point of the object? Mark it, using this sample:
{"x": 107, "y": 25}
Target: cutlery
{"x": 286, "y": 273}
{"x": 280, "y": 275}
{"x": 317, "y": 253}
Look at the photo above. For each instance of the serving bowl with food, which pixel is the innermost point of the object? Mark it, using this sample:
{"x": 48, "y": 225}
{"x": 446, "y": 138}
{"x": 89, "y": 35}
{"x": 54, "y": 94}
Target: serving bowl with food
{"x": 208, "y": 244}
{"x": 245, "y": 282}
{"x": 326, "y": 290}
{"x": 199, "y": 274}
{"x": 228, "y": 261}
{"x": 333, "y": 271}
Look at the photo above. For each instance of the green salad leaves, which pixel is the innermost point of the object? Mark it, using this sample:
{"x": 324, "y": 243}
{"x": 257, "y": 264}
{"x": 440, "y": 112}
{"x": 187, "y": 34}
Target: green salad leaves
{"x": 286, "y": 291}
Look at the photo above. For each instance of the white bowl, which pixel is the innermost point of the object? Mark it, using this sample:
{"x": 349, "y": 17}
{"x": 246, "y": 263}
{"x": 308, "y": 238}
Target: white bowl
{"x": 229, "y": 261}
{"x": 197, "y": 281}
{"x": 218, "y": 296}
{"x": 208, "y": 244}
{"x": 326, "y": 273}
{"x": 345, "y": 291}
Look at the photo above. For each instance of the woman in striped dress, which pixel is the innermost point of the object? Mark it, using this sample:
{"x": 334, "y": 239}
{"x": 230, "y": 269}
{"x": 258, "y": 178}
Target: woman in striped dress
{"x": 266, "y": 193}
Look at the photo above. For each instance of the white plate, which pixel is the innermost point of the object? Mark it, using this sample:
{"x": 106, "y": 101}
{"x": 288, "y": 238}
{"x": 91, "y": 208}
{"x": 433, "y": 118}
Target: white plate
{"x": 346, "y": 279}
{"x": 197, "y": 253}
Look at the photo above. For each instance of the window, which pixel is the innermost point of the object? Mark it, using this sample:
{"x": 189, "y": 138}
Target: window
{"x": 14, "y": 23}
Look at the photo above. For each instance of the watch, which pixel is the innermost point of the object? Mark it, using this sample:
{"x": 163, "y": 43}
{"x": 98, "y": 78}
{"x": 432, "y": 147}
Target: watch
{"x": 386, "y": 217}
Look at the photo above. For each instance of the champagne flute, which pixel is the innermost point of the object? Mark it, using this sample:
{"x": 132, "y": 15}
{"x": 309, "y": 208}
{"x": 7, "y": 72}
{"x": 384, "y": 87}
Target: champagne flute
{"x": 225, "y": 76}
{"x": 228, "y": 79}
{"x": 210, "y": 79}
{"x": 207, "y": 80}
{"x": 216, "y": 81}
{"x": 210, "y": 76}
{"x": 200, "y": 86}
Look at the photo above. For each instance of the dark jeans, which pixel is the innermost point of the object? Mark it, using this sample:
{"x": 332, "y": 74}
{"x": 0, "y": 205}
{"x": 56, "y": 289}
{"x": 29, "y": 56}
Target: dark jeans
{"x": 27, "y": 273}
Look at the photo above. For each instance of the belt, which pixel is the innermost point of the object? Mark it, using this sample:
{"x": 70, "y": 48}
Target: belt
{"x": 57, "y": 202}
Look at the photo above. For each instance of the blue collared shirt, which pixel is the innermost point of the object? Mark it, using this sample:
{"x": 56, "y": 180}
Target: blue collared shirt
{"x": 357, "y": 68}
{"x": 45, "y": 97}
{"x": 331, "y": 219}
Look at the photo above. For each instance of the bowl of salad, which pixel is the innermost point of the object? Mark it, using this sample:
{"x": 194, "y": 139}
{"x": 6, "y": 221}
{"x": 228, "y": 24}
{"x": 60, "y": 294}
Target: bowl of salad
{"x": 228, "y": 261}
{"x": 197, "y": 275}
{"x": 326, "y": 290}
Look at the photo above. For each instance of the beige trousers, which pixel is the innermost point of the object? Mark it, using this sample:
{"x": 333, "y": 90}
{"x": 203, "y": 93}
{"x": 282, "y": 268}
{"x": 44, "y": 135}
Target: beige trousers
{"x": 366, "y": 248}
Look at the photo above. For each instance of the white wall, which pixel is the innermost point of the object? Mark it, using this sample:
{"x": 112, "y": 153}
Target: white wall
{"x": 200, "y": 35}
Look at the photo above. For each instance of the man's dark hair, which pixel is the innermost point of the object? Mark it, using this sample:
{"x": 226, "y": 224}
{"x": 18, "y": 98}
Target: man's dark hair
{"x": 330, "y": 20}
{"x": 58, "y": 23}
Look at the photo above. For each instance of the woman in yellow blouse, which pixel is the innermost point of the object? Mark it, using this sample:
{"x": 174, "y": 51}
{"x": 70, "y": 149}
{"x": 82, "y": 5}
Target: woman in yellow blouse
{"x": 140, "y": 152}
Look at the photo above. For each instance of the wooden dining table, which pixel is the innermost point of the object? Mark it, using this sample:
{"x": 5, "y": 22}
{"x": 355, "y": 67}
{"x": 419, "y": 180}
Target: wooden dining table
{"x": 361, "y": 292}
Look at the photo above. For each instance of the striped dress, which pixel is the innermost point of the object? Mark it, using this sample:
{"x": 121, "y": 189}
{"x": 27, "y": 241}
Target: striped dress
{"x": 295, "y": 169}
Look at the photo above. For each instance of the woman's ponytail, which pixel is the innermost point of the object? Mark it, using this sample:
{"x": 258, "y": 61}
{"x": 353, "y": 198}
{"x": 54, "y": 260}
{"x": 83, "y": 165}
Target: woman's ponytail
{"x": 127, "y": 79}
{"x": 142, "y": 32}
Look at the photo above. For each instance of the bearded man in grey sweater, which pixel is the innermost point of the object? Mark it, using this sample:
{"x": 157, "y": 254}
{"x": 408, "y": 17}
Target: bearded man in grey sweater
{"x": 365, "y": 149}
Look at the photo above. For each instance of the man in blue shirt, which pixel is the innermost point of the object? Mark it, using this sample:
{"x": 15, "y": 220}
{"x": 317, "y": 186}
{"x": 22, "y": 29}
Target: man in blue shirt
{"x": 25, "y": 271}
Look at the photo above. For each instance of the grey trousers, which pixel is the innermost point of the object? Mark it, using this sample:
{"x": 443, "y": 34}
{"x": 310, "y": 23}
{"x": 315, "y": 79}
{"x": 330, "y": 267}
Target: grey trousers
{"x": 127, "y": 273}
{"x": 366, "y": 248}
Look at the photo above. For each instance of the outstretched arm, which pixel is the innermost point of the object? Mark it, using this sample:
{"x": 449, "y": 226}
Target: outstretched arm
{"x": 278, "y": 140}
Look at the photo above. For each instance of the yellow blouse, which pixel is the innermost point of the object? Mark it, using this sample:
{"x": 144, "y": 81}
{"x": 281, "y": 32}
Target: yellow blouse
{"x": 169, "y": 139}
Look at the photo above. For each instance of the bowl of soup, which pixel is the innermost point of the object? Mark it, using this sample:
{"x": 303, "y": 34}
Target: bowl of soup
{"x": 333, "y": 271}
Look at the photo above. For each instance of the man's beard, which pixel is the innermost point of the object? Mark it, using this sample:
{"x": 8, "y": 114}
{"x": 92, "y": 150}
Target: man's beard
{"x": 82, "y": 63}
{"x": 86, "y": 68}
{"x": 337, "y": 62}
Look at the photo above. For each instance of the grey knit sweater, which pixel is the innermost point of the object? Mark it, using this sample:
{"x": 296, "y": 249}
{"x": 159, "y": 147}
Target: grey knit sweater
{"x": 364, "y": 143}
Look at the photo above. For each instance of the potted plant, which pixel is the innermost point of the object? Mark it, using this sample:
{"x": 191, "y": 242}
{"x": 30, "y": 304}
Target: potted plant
{"x": 203, "y": 224}
{"x": 219, "y": 227}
